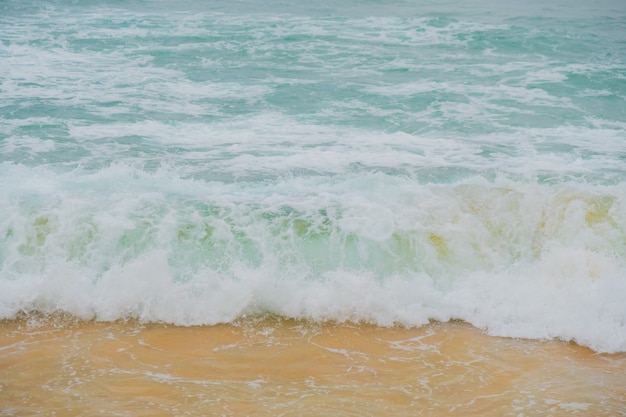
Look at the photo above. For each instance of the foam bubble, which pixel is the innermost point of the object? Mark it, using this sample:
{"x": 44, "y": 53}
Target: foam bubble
{"x": 519, "y": 259}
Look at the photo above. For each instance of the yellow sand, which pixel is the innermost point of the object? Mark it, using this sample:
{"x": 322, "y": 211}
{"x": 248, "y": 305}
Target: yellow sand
{"x": 273, "y": 367}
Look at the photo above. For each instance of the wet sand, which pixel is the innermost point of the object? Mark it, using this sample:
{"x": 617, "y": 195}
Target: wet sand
{"x": 276, "y": 367}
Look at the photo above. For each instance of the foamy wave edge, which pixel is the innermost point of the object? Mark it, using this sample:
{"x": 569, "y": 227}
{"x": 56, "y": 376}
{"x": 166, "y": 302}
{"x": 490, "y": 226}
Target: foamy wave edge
{"x": 588, "y": 311}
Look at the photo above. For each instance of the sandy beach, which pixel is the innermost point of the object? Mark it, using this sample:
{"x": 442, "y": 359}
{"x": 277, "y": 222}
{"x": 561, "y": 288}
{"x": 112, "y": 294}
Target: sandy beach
{"x": 270, "y": 366}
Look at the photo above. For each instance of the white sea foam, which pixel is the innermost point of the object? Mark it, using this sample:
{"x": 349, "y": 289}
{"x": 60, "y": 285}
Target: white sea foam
{"x": 519, "y": 260}
{"x": 271, "y": 144}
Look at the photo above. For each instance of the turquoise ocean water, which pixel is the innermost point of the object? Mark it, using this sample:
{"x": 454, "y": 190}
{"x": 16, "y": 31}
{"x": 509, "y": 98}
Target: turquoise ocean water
{"x": 394, "y": 162}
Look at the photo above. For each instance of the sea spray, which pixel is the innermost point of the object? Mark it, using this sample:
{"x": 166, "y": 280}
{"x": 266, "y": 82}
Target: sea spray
{"x": 520, "y": 258}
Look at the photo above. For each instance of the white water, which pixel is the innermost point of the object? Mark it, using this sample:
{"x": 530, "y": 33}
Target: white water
{"x": 193, "y": 163}
{"x": 518, "y": 259}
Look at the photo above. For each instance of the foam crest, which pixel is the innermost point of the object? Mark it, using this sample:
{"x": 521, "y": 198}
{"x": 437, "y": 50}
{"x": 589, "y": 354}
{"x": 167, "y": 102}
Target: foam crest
{"x": 519, "y": 259}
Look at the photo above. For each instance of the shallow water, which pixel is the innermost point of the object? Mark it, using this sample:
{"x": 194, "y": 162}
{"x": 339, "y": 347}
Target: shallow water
{"x": 278, "y": 367}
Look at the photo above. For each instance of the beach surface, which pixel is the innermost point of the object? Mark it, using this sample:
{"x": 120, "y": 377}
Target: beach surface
{"x": 273, "y": 366}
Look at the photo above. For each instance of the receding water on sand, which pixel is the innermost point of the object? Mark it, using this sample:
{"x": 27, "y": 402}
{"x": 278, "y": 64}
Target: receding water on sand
{"x": 272, "y": 366}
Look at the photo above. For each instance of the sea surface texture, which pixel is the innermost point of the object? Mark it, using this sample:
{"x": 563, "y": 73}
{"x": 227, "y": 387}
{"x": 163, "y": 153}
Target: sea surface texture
{"x": 391, "y": 162}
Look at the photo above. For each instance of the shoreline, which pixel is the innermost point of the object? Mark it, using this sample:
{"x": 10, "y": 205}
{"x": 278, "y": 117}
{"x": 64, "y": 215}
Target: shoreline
{"x": 276, "y": 366}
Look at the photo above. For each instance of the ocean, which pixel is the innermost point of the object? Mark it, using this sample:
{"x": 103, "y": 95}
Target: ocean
{"x": 388, "y": 162}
